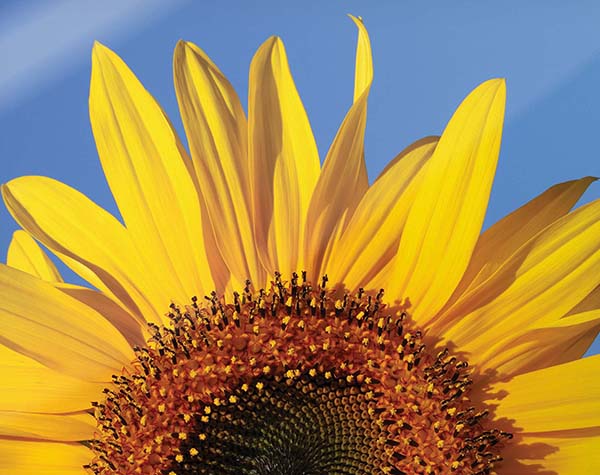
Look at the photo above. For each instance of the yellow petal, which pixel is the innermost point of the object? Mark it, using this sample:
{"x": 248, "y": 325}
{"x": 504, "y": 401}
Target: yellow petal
{"x": 558, "y": 453}
{"x": 371, "y": 238}
{"x": 29, "y": 386}
{"x": 539, "y": 284}
{"x": 26, "y": 255}
{"x": 284, "y": 162}
{"x": 551, "y": 343}
{"x": 344, "y": 168}
{"x": 149, "y": 175}
{"x": 60, "y": 428}
{"x": 18, "y": 457}
{"x": 591, "y": 302}
{"x": 334, "y": 239}
{"x": 562, "y": 397}
{"x": 392, "y": 163}
{"x": 132, "y": 328}
{"x": 558, "y": 342}
{"x": 216, "y": 127}
{"x": 363, "y": 72}
{"x": 445, "y": 220}
{"x": 60, "y": 332}
{"x": 506, "y": 236}
{"x": 90, "y": 241}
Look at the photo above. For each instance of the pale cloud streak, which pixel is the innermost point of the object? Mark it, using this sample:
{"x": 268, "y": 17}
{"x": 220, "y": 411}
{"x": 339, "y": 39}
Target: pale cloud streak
{"x": 42, "y": 42}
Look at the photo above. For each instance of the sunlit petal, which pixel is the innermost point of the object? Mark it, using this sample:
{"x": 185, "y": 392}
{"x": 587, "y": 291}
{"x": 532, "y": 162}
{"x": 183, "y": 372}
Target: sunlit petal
{"x": 26, "y": 255}
{"x": 332, "y": 203}
{"x": 445, "y": 219}
{"x": 284, "y": 162}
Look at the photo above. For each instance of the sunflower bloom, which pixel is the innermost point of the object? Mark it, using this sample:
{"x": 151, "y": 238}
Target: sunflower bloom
{"x": 256, "y": 313}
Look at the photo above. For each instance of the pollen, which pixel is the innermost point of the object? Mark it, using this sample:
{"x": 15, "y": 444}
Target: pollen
{"x": 292, "y": 379}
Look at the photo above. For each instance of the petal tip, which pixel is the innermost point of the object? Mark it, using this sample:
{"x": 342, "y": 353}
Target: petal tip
{"x": 5, "y": 187}
{"x": 494, "y": 89}
{"x": 274, "y": 41}
{"x": 99, "y": 49}
{"x": 102, "y": 56}
{"x": 494, "y": 82}
{"x": 180, "y": 44}
{"x": 272, "y": 48}
{"x": 4, "y": 191}
{"x": 357, "y": 19}
{"x": 180, "y": 50}
{"x": 185, "y": 46}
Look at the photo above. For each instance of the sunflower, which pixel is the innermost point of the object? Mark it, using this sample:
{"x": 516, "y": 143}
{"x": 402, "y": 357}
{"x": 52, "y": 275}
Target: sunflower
{"x": 257, "y": 313}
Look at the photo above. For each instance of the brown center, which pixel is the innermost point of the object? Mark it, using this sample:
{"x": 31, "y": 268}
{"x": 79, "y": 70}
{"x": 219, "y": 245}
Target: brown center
{"x": 289, "y": 381}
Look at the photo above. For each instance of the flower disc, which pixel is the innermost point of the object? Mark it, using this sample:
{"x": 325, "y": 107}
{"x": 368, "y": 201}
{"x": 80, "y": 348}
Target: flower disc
{"x": 292, "y": 381}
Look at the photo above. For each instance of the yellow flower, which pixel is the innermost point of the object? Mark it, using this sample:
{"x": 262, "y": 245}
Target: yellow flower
{"x": 320, "y": 371}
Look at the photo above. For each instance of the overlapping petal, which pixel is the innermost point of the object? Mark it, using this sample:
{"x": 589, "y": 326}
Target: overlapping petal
{"x": 34, "y": 313}
{"x": 19, "y": 457}
{"x": 534, "y": 288}
{"x": 343, "y": 180}
{"x": 149, "y": 175}
{"x": 130, "y": 326}
{"x": 29, "y": 386}
{"x": 90, "y": 241}
{"x": 284, "y": 161}
{"x": 217, "y": 130}
{"x": 370, "y": 240}
{"x": 25, "y": 254}
{"x": 505, "y": 237}
{"x": 55, "y": 427}
{"x": 559, "y": 398}
{"x": 445, "y": 219}
{"x": 560, "y": 453}
{"x": 553, "y": 343}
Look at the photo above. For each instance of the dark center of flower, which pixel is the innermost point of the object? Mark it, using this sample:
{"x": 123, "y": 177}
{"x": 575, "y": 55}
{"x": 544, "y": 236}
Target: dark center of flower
{"x": 278, "y": 426}
{"x": 292, "y": 381}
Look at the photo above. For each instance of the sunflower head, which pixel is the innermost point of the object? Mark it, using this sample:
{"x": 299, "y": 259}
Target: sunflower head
{"x": 272, "y": 371}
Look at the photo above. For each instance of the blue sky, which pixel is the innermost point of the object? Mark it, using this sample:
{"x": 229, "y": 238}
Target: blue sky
{"x": 427, "y": 56}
